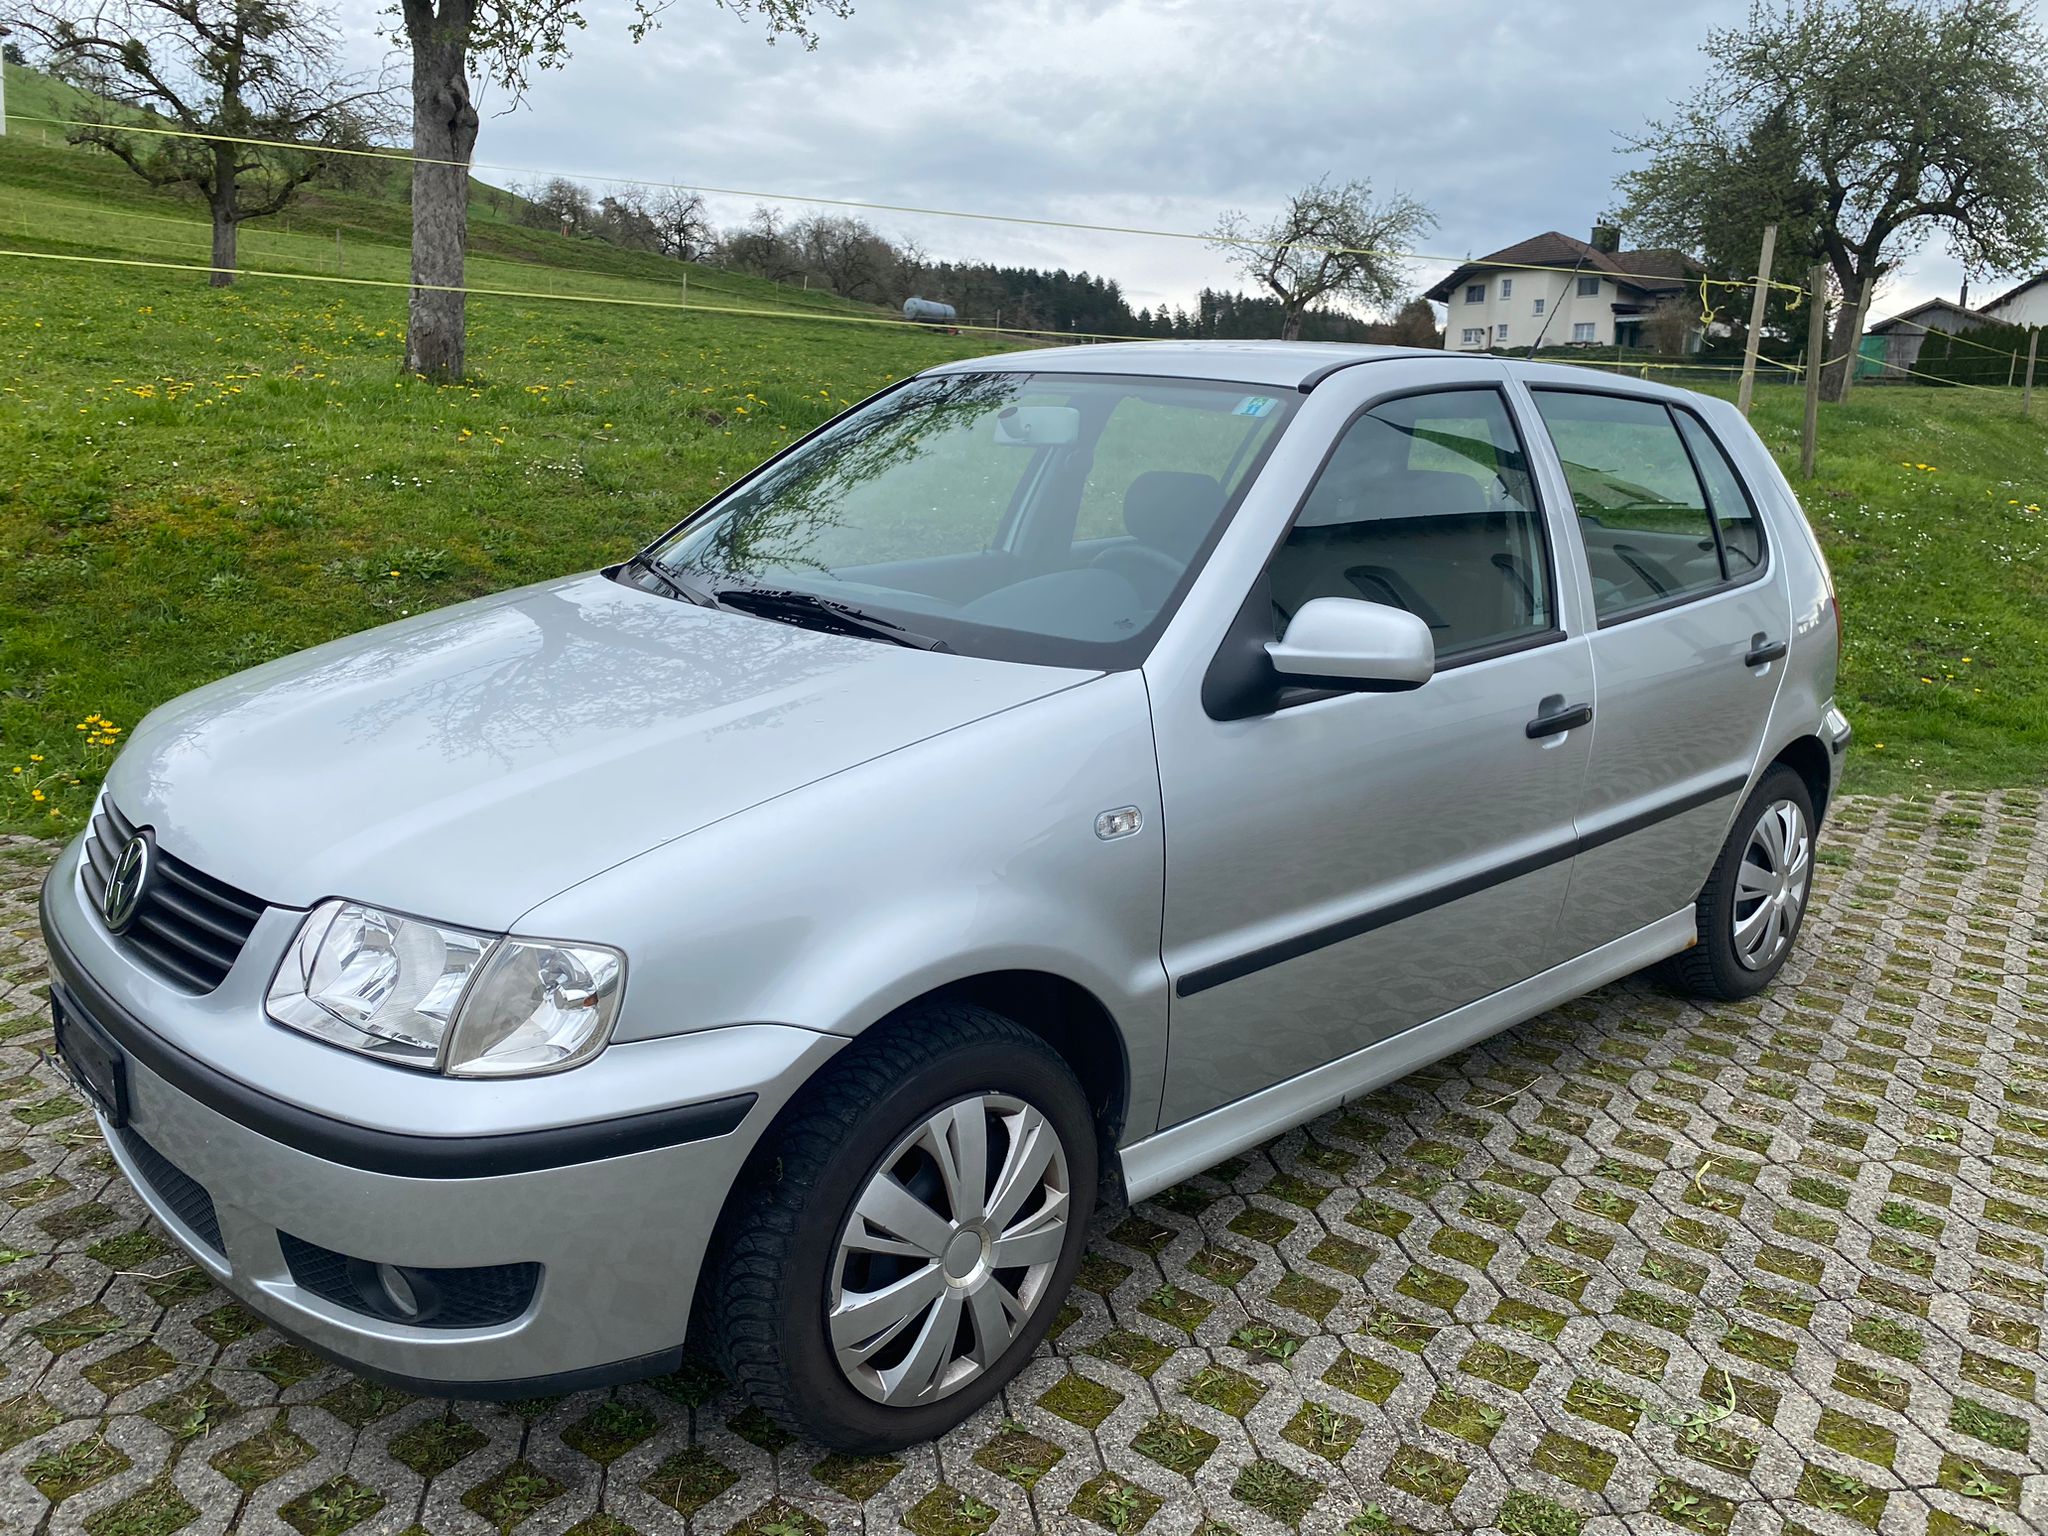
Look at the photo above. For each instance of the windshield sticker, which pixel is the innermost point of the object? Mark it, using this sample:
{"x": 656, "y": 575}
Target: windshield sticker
{"x": 1255, "y": 405}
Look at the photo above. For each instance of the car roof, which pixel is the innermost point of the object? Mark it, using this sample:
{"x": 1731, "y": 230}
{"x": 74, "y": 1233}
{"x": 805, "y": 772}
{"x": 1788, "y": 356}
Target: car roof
{"x": 1283, "y": 364}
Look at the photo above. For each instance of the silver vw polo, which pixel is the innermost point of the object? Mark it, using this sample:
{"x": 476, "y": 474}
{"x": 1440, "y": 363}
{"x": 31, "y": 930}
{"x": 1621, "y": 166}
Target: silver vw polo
{"x": 1057, "y": 773}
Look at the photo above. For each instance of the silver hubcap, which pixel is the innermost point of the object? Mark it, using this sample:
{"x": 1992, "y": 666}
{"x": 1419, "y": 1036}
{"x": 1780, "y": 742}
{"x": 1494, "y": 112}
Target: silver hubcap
{"x": 1771, "y": 885}
{"x": 949, "y": 1251}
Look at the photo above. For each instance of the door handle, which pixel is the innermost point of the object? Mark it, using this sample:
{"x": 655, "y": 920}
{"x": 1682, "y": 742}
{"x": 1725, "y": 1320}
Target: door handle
{"x": 1558, "y": 716}
{"x": 1763, "y": 651}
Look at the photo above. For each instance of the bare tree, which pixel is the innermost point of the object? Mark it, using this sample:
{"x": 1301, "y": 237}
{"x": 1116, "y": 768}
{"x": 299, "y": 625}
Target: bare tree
{"x": 231, "y": 73}
{"x": 508, "y": 40}
{"x": 1328, "y": 243}
{"x": 557, "y": 204}
{"x": 762, "y": 248}
{"x": 682, "y": 227}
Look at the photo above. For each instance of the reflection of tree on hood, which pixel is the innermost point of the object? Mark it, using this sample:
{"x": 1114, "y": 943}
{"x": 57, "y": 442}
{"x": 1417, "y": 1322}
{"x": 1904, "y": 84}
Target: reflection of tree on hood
{"x": 775, "y": 521}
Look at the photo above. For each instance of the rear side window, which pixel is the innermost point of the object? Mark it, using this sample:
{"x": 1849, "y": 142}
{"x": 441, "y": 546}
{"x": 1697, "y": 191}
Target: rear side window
{"x": 1742, "y": 542}
{"x": 1643, "y": 514}
{"x": 1426, "y": 504}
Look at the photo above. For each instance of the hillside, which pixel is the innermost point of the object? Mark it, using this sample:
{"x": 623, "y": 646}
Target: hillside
{"x": 73, "y": 200}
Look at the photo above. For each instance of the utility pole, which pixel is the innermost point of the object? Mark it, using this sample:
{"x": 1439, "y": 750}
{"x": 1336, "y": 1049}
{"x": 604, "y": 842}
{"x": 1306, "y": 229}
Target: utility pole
{"x": 1816, "y": 350}
{"x": 1756, "y": 319}
{"x": 2027, "y": 390}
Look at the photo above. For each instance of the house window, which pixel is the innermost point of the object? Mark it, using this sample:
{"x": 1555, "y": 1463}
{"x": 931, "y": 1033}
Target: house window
{"x": 1507, "y": 287}
{"x": 1589, "y": 287}
{"x": 1500, "y": 333}
{"x": 1583, "y": 331}
{"x": 1475, "y": 335}
{"x": 1475, "y": 293}
{"x": 1539, "y": 306}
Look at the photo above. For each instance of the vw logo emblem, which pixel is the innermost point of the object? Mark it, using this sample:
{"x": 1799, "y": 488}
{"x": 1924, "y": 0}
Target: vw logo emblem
{"x": 124, "y": 886}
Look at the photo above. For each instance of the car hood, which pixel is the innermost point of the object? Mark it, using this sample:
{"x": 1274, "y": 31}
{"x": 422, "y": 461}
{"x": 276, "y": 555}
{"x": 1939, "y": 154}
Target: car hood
{"x": 468, "y": 764}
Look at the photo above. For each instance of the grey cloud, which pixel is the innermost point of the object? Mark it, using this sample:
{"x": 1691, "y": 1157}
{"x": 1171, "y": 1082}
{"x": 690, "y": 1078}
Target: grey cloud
{"x": 1504, "y": 118}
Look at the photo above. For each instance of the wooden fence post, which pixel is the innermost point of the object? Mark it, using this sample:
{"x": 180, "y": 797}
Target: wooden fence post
{"x": 1816, "y": 351}
{"x": 2027, "y": 391}
{"x": 1747, "y": 390}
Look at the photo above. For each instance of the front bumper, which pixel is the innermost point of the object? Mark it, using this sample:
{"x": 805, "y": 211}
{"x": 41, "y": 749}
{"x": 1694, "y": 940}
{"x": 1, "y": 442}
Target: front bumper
{"x": 616, "y": 1212}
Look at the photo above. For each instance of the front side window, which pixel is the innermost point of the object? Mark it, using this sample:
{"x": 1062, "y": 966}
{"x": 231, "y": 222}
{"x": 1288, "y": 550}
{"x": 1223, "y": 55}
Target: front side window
{"x": 1642, "y": 511}
{"x": 1507, "y": 287}
{"x": 1475, "y": 293}
{"x": 1475, "y": 335}
{"x": 1582, "y": 330}
{"x": 1589, "y": 287}
{"x": 1426, "y": 504}
{"x": 1539, "y": 307}
{"x": 1500, "y": 333}
{"x": 1043, "y": 517}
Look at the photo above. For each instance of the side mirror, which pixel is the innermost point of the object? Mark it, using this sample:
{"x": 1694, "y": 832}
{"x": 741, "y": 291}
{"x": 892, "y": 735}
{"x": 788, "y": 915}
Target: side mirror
{"x": 1350, "y": 644}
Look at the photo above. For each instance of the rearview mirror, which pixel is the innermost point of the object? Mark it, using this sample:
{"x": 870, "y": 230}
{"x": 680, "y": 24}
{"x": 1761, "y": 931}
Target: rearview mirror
{"x": 1037, "y": 426}
{"x": 1348, "y": 643}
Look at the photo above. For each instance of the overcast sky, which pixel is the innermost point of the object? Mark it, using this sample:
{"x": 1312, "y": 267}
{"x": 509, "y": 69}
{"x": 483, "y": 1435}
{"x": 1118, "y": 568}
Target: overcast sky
{"x": 1505, "y": 118}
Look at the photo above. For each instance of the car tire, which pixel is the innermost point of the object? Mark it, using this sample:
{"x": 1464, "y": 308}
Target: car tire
{"x": 800, "y": 1248}
{"x": 1750, "y": 912}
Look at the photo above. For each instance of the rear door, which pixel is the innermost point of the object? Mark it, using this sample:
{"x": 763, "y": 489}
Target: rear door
{"x": 1691, "y": 622}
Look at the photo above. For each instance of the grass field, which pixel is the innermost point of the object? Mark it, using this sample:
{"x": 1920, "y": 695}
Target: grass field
{"x": 195, "y": 480}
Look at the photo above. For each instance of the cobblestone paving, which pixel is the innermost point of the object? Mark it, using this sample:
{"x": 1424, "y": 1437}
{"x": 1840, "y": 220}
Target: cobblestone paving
{"x": 1772, "y": 1267}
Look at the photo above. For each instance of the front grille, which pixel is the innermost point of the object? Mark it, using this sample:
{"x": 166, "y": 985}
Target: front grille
{"x": 186, "y": 1197}
{"x": 188, "y": 927}
{"x": 475, "y": 1297}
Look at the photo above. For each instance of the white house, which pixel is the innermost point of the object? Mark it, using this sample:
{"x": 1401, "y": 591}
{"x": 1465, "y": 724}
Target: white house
{"x": 1564, "y": 291}
{"x": 2024, "y": 305}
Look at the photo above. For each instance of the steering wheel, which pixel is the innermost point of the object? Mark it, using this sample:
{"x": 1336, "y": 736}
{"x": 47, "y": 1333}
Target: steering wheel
{"x": 1147, "y": 569}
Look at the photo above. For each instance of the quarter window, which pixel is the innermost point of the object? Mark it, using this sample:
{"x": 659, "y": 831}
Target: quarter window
{"x": 1742, "y": 542}
{"x": 1642, "y": 513}
{"x": 1426, "y": 504}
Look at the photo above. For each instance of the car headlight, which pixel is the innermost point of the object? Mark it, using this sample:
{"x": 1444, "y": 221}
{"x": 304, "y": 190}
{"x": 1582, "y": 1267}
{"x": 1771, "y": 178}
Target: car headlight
{"x": 445, "y": 999}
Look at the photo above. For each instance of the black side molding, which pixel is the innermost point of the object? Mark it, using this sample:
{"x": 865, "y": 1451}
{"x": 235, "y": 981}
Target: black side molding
{"x": 1264, "y": 958}
{"x": 377, "y": 1151}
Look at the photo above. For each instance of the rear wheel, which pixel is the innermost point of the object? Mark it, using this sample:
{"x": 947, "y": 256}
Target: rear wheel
{"x": 1751, "y": 909}
{"x": 901, "y": 1247}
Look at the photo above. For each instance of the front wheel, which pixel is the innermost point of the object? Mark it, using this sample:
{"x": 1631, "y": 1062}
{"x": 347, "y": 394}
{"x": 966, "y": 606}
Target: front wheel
{"x": 903, "y": 1243}
{"x": 1754, "y": 901}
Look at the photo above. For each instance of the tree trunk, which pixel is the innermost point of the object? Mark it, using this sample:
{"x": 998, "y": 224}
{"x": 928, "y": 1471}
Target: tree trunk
{"x": 1290, "y": 324}
{"x": 224, "y": 227}
{"x": 444, "y": 127}
{"x": 1845, "y": 344}
{"x": 226, "y": 215}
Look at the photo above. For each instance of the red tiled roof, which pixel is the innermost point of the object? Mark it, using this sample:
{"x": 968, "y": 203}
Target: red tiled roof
{"x": 1653, "y": 271}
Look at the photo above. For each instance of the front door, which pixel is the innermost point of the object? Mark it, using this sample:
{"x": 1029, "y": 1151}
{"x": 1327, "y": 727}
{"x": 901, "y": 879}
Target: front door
{"x": 1342, "y": 867}
{"x": 1692, "y": 623}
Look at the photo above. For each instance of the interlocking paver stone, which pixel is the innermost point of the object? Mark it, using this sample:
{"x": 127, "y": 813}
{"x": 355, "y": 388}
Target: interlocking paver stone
{"x": 1776, "y": 1266}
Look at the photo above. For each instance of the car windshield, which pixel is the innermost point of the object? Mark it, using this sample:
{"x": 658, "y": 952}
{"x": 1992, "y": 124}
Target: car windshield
{"x": 1041, "y": 517}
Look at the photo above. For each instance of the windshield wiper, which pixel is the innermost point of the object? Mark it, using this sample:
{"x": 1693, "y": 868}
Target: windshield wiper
{"x": 671, "y": 581}
{"x": 811, "y": 611}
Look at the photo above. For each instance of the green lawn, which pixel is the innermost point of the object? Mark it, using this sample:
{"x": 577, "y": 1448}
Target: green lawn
{"x": 195, "y": 480}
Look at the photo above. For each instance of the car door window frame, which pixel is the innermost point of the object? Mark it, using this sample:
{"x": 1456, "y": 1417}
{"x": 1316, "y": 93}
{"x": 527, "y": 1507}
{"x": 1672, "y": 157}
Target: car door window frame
{"x": 1236, "y": 685}
{"x": 1672, "y": 408}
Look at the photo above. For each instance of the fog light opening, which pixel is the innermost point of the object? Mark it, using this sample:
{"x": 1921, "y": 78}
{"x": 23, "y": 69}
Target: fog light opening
{"x": 398, "y": 1293}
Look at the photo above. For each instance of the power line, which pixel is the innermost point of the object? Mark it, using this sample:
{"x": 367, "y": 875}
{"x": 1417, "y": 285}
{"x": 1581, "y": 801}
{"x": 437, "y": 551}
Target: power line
{"x": 407, "y": 157}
